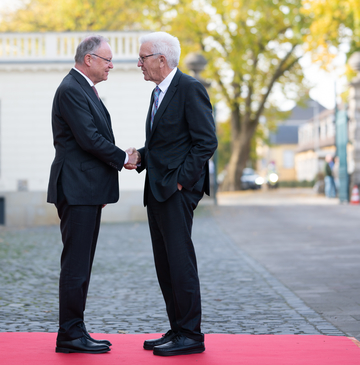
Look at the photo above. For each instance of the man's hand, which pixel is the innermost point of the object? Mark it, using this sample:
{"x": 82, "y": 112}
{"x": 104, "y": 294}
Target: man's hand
{"x": 134, "y": 158}
{"x": 179, "y": 186}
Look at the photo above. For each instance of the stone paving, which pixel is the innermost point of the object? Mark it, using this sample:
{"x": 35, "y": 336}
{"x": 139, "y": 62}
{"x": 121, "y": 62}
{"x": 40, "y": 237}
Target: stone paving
{"x": 239, "y": 295}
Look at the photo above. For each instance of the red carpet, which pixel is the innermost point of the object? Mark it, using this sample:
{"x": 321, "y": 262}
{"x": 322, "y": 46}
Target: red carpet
{"x": 39, "y": 348}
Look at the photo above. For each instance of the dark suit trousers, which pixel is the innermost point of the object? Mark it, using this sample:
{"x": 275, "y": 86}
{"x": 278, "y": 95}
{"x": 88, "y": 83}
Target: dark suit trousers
{"x": 79, "y": 227}
{"x": 170, "y": 225}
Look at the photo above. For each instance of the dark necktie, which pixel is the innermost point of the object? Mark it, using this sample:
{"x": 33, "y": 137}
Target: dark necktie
{"x": 95, "y": 91}
{"x": 156, "y": 104}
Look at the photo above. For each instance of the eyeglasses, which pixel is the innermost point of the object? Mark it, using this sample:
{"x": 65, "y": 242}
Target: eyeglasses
{"x": 105, "y": 59}
{"x": 142, "y": 59}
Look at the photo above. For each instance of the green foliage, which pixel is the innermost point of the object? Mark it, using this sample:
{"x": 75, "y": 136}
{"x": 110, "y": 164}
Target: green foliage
{"x": 296, "y": 184}
{"x": 224, "y": 147}
{"x": 333, "y": 22}
{"x": 77, "y": 15}
{"x": 244, "y": 49}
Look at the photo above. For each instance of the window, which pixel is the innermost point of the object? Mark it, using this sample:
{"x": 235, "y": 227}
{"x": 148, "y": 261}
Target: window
{"x": 288, "y": 159}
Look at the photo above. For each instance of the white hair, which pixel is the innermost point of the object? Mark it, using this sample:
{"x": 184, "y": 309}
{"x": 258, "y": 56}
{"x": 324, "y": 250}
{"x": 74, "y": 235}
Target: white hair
{"x": 165, "y": 44}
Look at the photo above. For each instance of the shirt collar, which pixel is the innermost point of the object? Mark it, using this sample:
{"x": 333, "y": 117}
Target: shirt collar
{"x": 86, "y": 78}
{"x": 164, "y": 84}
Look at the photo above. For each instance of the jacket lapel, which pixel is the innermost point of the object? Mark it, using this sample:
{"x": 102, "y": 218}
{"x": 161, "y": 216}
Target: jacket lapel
{"x": 165, "y": 102}
{"x": 90, "y": 92}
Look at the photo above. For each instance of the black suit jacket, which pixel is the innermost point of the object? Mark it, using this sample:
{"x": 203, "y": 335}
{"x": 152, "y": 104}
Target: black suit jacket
{"x": 86, "y": 159}
{"x": 181, "y": 142}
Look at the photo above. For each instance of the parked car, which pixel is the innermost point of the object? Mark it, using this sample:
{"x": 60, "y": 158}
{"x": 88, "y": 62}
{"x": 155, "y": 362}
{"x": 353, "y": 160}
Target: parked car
{"x": 250, "y": 179}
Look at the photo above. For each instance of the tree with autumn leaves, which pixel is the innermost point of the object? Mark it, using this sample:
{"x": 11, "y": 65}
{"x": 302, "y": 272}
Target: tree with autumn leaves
{"x": 252, "y": 47}
{"x": 333, "y": 22}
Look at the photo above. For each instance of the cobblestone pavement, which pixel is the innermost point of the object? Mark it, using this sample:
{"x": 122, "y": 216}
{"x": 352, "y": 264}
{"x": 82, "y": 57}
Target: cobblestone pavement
{"x": 239, "y": 295}
{"x": 312, "y": 250}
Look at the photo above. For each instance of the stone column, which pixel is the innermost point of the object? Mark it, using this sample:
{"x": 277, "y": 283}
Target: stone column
{"x": 196, "y": 63}
{"x": 354, "y": 117}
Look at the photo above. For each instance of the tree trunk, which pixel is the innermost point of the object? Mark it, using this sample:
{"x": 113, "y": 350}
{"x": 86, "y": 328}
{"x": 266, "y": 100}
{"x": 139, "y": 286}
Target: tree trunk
{"x": 239, "y": 157}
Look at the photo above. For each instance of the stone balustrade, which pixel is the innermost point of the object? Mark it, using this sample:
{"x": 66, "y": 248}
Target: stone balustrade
{"x": 60, "y": 47}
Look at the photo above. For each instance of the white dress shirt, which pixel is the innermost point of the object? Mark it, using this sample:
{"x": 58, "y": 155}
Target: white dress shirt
{"x": 164, "y": 85}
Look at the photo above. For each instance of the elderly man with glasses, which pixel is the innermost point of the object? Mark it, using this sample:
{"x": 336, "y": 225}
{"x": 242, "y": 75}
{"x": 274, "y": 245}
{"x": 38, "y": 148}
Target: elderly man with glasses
{"x": 180, "y": 140}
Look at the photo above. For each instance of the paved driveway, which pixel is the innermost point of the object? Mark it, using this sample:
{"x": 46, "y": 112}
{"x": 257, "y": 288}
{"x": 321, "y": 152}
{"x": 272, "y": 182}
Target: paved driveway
{"x": 264, "y": 269}
{"x": 311, "y": 244}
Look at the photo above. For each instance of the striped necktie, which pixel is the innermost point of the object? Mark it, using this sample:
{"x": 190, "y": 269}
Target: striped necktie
{"x": 156, "y": 104}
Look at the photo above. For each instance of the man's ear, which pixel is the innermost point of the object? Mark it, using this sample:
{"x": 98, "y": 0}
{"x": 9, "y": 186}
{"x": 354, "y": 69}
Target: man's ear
{"x": 162, "y": 60}
{"x": 87, "y": 60}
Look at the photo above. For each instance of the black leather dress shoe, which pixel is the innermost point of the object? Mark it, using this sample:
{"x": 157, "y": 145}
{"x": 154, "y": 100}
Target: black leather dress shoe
{"x": 180, "y": 345}
{"x": 168, "y": 336}
{"x": 86, "y": 334}
{"x": 82, "y": 345}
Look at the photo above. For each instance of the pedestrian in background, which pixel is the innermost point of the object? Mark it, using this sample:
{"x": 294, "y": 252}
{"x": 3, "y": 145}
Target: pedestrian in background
{"x": 330, "y": 188}
{"x": 335, "y": 172}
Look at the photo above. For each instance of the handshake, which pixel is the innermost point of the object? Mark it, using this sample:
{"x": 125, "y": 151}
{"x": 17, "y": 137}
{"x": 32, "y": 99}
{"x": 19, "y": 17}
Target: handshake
{"x": 134, "y": 158}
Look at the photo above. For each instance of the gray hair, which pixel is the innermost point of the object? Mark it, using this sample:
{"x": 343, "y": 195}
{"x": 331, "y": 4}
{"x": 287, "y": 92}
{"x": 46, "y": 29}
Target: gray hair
{"x": 165, "y": 44}
{"x": 87, "y": 46}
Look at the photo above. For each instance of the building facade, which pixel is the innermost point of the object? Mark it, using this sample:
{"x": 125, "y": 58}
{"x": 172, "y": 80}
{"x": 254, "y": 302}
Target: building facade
{"x": 32, "y": 65}
{"x": 280, "y": 155}
{"x": 316, "y": 140}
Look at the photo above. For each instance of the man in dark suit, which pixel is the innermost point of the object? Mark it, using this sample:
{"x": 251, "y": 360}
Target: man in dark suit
{"x": 83, "y": 178}
{"x": 180, "y": 140}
